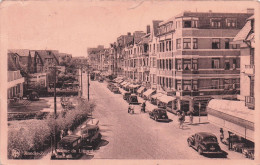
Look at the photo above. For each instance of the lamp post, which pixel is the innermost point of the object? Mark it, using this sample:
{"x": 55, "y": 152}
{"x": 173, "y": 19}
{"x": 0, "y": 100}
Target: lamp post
{"x": 199, "y": 110}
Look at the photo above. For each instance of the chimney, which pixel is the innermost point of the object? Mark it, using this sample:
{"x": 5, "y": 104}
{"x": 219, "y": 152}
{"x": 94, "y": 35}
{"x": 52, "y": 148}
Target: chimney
{"x": 148, "y": 29}
{"x": 250, "y": 10}
{"x": 129, "y": 34}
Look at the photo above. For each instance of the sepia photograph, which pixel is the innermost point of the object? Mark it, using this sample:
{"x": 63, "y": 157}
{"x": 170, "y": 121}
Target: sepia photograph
{"x": 113, "y": 81}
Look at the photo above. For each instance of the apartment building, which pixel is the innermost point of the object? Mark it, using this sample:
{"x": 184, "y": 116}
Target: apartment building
{"x": 246, "y": 39}
{"x": 94, "y": 56}
{"x": 195, "y": 58}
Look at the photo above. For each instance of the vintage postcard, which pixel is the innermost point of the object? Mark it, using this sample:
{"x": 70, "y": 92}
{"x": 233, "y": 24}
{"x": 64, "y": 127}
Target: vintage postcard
{"x": 129, "y": 82}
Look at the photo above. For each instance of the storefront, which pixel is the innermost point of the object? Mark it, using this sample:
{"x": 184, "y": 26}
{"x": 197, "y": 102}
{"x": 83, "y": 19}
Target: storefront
{"x": 232, "y": 116}
{"x": 154, "y": 98}
{"x": 147, "y": 94}
{"x": 141, "y": 90}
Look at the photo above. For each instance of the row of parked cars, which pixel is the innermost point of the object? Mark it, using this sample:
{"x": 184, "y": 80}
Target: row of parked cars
{"x": 202, "y": 142}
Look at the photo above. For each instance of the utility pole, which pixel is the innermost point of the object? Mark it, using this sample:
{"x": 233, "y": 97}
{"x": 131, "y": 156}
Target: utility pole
{"x": 88, "y": 85}
{"x": 81, "y": 82}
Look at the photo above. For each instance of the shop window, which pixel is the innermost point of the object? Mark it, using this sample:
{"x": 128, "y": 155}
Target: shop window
{"x": 186, "y": 43}
{"x": 187, "y": 64}
{"x": 187, "y": 85}
{"x": 170, "y": 83}
{"x": 195, "y": 64}
{"x": 226, "y": 43}
{"x": 215, "y": 43}
{"x": 195, "y": 43}
{"x": 178, "y": 85}
{"x": 227, "y": 65}
{"x": 215, "y": 84}
{"x": 195, "y": 85}
{"x": 179, "y": 64}
{"x": 178, "y": 43}
{"x": 215, "y": 23}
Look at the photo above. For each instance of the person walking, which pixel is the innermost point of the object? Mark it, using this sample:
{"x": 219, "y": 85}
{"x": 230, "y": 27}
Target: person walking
{"x": 221, "y": 134}
{"x": 191, "y": 117}
{"x": 181, "y": 116}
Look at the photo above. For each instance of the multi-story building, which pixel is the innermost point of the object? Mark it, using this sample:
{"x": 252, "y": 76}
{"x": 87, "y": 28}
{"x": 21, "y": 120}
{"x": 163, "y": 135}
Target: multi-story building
{"x": 246, "y": 39}
{"x": 15, "y": 80}
{"x": 153, "y": 31}
{"x": 94, "y": 57}
{"x": 196, "y": 60}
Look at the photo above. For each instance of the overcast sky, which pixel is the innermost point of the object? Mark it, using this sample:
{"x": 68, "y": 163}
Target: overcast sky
{"x": 73, "y": 26}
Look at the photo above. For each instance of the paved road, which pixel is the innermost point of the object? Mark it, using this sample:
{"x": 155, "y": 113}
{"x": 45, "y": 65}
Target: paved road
{"x": 127, "y": 136}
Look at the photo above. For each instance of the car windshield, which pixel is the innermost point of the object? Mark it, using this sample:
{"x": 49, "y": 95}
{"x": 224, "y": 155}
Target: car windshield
{"x": 134, "y": 99}
{"x": 210, "y": 139}
{"x": 162, "y": 111}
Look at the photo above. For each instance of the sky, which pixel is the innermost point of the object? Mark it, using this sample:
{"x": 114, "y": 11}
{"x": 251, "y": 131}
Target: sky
{"x": 73, "y": 26}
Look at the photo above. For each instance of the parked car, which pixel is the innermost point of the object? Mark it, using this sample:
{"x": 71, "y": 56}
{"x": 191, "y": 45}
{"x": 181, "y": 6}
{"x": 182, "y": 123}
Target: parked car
{"x": 69, "y": 147}
{"x": 204, "y": 143}
{"x": 116, "y": 90}
{"x": 101, "y": 79}
{"x": 132, "y": 99}
{"x": 33, "y": 96}
{"x": 126, "y": 95}
{"x": 239, "y": 145}
{"x": 159, "y": 114}
{"x": 249, "y": 152}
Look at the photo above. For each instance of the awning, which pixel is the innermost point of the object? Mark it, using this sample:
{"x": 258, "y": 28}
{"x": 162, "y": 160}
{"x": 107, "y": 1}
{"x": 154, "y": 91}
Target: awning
{"x": 141, "y": 89}
{"x": 126, "y": 84}
{"x": 232, "y": 115}
{"x": 166, "y": 99}
{"x": 134, "y": 86}
{"x": 148, "y": 92}
{"x": 157, "y": 95}
{"x": 242, "y": 34}
{"x": 123, "y": 83}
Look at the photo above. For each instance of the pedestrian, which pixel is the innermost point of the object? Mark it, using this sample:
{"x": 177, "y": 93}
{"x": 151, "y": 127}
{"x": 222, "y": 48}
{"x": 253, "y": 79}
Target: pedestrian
{"x": 143, "y": 106}
{"x": 191, "y": 117}
{"x": 181, "y": 119}
{"x": 221, "y": 134}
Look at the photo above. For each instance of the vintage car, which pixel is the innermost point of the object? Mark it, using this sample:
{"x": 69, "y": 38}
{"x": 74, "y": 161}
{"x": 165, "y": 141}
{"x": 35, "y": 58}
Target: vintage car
{"x": 101, "y": 79}
{"x": 33, "y": 96}
{"x": 239, "y": 145}
{"x": 132, "y": 99}
{"x": 126, "y": 95}
{"x": 159, "y": 114}
{"x": 69, "y": 147}
{"x": 249, "y": 152}
{"x": 204, "y": 143}
{"x": 115, "y": 90}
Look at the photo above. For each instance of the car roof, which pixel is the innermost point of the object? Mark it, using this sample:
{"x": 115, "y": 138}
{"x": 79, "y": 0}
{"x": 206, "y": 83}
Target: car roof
{"x": 69, "y": 139}
{"x": 205, "y": 134}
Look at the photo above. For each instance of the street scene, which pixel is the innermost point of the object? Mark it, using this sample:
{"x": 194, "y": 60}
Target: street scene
{"x": 176, "y": 86}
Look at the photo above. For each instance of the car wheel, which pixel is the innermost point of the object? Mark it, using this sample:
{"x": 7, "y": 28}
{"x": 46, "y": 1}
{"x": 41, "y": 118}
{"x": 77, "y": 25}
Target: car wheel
{"x": 200, "y": 151}
{"x": 189, "y": 143}
{"x": 155, "y": 118}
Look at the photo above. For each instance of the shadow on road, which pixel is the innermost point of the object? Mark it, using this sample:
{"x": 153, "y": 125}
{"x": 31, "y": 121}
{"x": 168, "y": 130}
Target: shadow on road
{"x": 223, "y": 155}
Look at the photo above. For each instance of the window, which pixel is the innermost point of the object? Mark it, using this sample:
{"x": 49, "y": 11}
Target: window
{"x": 215, "y": 63}
{"x": 167, "y": 47}
{"x": 194, "y": 23}
{"x": 163, "y": 64}
{"x": 167, "y": 85}
{"x": 195, "y": 85}
{"x": 215, "y": 43}
{"x": 187, "y": 24}
{"x": 153, "y": 47}
{"x": 215, "y": 84}
{"x": 195, "y": 64}
{"x": 179, "y": 65}
{"x": 178, "y": 43}
{"x": 195, "y": 43}
{"x": 227, "y": 84}
{"x": 226, "y": 43}
{"x": 163, "y": 47}
{"x": 234, "y": 46}
{"x": 170, "y": 45}
{"x": 187, "y": 85}
{"x": 167, "y": 64}
{"x": 215, "y": 23}
{"x": 178, "y": 85}
{"x": 170, "y": 83}
{"x": 231, "y": 22}
{"x": 186, "y": 43}
{"x": 170, "y": 64}
{"x": 227, "y": 65}
{"x": 187, "y": 64}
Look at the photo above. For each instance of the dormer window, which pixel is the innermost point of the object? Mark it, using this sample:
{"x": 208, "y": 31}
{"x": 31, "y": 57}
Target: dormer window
{"x": 231, "y": 22}
{"x": 215, "y": 22}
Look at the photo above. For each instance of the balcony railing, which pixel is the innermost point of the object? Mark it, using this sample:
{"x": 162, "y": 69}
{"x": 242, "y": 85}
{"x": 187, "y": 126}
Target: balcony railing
{"x": 250, "y": 102}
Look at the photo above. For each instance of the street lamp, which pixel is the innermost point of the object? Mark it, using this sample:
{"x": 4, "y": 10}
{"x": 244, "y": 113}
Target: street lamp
{"x": 199, "y": 110}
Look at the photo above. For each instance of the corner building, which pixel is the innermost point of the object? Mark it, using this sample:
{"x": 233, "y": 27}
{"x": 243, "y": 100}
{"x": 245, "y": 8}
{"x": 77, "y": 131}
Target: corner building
{"x": 196, "y": 60}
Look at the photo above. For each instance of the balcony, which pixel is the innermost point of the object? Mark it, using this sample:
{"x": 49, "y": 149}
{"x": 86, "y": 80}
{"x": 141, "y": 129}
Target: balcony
{"x": 250, "y": 69}
{"x": 250, "y": 102}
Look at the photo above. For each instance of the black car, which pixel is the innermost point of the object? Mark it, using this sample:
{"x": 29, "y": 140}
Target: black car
{"x": 159, "y": 114}
{"x": 126, "y": 95}
{"x": 204, "y": 143}
{"x": 132, "y": 99}
{"x": 115, "y": 90}
{"x": 33, "y": 96}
